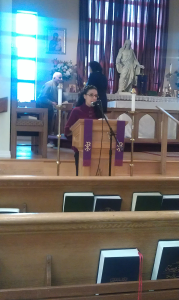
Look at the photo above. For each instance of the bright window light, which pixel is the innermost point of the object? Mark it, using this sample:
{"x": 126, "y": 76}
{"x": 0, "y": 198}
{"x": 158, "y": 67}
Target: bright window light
{"x": 26, "y": 23}
{"x": 26, "y": 46}
{"x": 26, "y": 69}
{"x": 25, "y": 91}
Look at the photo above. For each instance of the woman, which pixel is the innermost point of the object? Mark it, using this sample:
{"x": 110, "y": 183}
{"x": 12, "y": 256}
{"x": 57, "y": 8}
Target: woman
{"x": 98, "y": 79}
{"x": 83, "y": 110}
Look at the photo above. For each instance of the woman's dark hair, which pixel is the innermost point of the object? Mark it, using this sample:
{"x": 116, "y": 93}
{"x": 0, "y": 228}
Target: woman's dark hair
{"x": 81, "y": 98}
{"x": 95, "y": 66}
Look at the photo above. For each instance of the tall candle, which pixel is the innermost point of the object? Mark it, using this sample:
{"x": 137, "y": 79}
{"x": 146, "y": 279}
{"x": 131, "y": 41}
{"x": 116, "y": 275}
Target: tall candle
{"x": 85, "y": 61}
{"x": 133, "y": 102}
{"x": 170, "y": 68}
{"x": 59, "y": 95}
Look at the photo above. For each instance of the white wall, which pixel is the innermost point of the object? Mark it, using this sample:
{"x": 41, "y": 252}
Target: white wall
{"x": 173, "y": 38}
{"x": 52, "y": 13}
{"x": 5, "y": 73}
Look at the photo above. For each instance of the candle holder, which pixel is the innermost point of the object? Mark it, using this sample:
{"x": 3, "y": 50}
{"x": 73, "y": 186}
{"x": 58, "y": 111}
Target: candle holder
{"x": 58, "y": 107}
{"x": 62, "y": 107}
{"x": 169, "y": 89}
{"x": 132, "y": 113}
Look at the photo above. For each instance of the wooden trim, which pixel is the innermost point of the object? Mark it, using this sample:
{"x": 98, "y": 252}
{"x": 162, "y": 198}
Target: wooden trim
{"x": 159, "y": 287}
{"x": 54, "y": 181}
{"x": 167, "y": 114}
{"x": 32, "y": 110}
{"x": 164, "y": 143}
{"x": 55, "y": 222}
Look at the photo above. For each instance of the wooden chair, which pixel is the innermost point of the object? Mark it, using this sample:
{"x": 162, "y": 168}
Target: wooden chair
{"x": 3, "y": 104}
{"x": 29, "y": 127}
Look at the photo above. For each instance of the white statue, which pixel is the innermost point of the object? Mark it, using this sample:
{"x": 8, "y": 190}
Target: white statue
{"x": 128, "y": 67}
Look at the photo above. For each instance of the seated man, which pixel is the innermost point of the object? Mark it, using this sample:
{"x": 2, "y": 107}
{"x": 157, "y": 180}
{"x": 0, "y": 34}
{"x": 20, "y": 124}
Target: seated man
{"x": 48, "y": 98}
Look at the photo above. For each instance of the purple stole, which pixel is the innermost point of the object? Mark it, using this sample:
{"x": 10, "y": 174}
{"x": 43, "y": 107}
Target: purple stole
{"x": 119, "y": 148}
{"x": 87, "y": 146}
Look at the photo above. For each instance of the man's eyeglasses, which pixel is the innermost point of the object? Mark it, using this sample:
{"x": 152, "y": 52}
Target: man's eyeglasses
{"x": 93, "y": 96}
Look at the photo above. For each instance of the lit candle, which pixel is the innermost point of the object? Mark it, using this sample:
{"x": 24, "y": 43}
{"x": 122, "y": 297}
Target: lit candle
{"x": 85, "y": 61}
{"x": 170, "y": 68}
{"x": 133, "y": 102}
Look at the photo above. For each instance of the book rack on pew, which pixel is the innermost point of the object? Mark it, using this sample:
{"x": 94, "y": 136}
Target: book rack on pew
{"x": 55, "y": 256}
{"x": 40, "y": 194}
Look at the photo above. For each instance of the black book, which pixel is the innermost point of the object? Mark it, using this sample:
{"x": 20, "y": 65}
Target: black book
{"x": 118, "y": 265}
{"x": 166, "y": 265}
{"x": 151, "y": 201}
{"x": 170, "y": 202}
{"x": 78, "y": 202}
{"x": 107, "y": 203}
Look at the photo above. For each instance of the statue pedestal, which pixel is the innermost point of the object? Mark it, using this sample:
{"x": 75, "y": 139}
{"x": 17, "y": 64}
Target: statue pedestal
{"x": 123, "y": 93}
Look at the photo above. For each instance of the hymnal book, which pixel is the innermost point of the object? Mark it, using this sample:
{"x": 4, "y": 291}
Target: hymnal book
{"x": 78, "y": 202}
{"x": 118, "y": 265}
{"x": 166, "y": 264}
{"x": 146, "y": 201}
{"x": 9, "y": 210}
{"x": 107, "y": 203}
{"x": 27, "y": 117}
{"x": 170, "y": 202}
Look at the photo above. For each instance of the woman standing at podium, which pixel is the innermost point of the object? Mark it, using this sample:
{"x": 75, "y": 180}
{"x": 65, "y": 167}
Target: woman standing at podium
{"x": 83, "y": 110}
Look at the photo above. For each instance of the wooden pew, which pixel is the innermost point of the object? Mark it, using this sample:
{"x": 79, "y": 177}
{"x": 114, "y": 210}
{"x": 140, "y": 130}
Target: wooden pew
{"x": 74, "y": 241}
{"x": 45, "y": 194}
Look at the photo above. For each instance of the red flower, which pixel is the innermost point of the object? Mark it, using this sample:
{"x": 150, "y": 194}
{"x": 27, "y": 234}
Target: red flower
{"x": 55, "y": 62}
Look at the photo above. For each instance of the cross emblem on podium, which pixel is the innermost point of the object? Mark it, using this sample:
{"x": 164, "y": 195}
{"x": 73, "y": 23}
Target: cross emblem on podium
{"x": 88, "y": 146}
{"x": 120, "y": 147}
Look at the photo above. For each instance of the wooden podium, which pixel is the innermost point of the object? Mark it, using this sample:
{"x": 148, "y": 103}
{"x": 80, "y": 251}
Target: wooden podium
{"x": 78, "y": 140}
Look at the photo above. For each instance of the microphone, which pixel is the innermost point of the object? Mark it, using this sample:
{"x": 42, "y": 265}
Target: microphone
{"x": 96, "y": 103}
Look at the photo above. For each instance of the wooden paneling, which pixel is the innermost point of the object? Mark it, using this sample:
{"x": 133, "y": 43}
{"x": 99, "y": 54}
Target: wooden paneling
{"x": 48, "y": 167}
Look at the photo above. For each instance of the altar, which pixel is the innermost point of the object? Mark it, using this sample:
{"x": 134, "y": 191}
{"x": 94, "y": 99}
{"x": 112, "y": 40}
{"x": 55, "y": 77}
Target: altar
{"x": 142, "y": 102}
{"x": 146, "y": 128}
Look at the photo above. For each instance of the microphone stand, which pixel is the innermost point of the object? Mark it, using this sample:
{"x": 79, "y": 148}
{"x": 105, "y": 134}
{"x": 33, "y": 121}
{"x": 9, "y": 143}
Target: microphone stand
{"x": 111, "y": 133}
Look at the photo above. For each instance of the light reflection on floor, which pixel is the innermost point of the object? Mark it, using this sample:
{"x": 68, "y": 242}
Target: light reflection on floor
{"x": 24, "y": 152}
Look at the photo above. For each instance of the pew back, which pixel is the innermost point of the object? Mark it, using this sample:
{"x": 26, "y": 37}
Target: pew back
{"x": 74, "y": 242}
{"x": 45, "y": 194}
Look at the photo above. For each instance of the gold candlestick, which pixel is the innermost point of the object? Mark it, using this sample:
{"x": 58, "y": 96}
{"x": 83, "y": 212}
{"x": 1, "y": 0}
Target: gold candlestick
{"x": 58, "y": 136}
{"x": 58, "y": 107}
{"x": 65, "y": 106}
{"x": 132, "y": 113}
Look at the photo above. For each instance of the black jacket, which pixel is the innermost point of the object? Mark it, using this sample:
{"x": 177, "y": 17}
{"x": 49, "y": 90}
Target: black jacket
{"x": 100, "y": 82}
